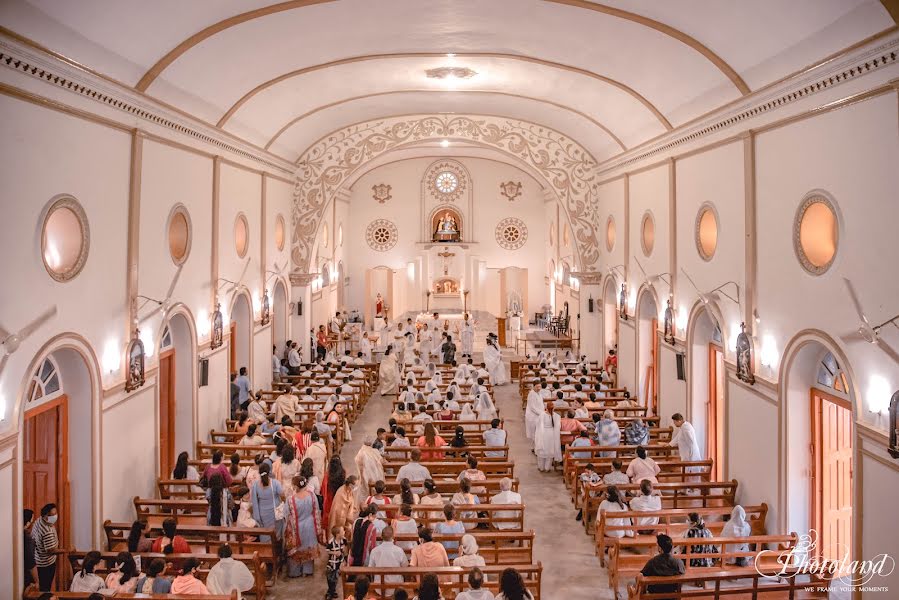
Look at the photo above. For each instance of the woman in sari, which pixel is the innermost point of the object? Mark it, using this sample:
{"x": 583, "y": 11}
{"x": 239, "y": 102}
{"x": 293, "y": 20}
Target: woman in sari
{"x": 365, "y": 536}
{"x": 388, "y": 373}
{"x": 333, "y": 481}
{"x": 302, "y": 529}
{"x": 344, "y": 506}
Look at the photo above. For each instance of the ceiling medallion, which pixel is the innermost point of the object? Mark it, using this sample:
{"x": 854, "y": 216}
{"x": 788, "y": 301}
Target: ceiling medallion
{"x": 381, "y": 192}
{"x": 511, "y": 189}
{"x": 455, "y": 72}
{"x": 511, "y": 233}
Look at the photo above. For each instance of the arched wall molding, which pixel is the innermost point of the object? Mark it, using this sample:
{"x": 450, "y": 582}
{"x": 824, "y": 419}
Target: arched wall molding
{"x": 608, "y": 291}
{"x": 791, "y": 352}
{"x": 714, "y": 310}
{"x": 282, "y": 282}
{"x": 405, "y": 55}
{"x": 243, "y": 292}
{"x": 185, "y": 46}
{"x": 565, "y": 166}
{"x": 318, "y": 109}
{"x": 80, "y": 345}
{"x": 179, "y": 309}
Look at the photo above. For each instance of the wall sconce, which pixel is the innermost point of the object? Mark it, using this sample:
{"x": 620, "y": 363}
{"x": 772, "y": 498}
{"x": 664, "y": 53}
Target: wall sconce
{"x": 879, "y": 392}
{"x": 146, "y": 336}
{"x": 681, "y": 320}
{"x": 203, "y": 324}
{"x": 2, "y": 409}
{"x": 111, "y": 356}
{"x": 769, "y": 355}
{"x": 734, "y": 332}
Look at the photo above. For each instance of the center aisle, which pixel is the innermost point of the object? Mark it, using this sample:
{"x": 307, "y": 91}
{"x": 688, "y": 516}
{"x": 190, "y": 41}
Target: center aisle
{"x": 571, "y": 570}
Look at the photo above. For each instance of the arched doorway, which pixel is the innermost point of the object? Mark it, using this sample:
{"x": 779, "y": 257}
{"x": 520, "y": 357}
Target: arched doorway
{"x": 552, "y": 287}
{"x": 706, "y": 385}
{"x": 648, "y": 350}
{"x": 609, "y": 317}
{"x": 279, "y": 316}
{"x": 818, "y": 402}
{"x": 58, "y": 416}
{"x": 241, "y": 334}
{"x": 341, "y": 290}
{"x": 177, "y": 389}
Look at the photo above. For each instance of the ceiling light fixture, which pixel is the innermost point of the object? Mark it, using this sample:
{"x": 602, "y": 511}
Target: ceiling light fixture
{"x": 450, "y": 73}
{"x": 445, "y": 143}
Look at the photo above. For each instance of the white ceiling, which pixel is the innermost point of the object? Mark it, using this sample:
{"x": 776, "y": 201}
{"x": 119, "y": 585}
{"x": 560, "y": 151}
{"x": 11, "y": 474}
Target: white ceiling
{"x": 566, "y": 64}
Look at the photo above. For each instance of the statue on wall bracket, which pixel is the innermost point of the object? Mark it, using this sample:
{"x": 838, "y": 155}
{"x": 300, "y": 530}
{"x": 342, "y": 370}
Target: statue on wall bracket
{"x": 894, "y": 426}
{"x": 266, "y": 309}
{"x": 622, "y": 302}
{"x": 218, "y": 328}
{"x": 744, "y": 357}
{"x": 136, "y": 363}
{"x": 668, "y": 328}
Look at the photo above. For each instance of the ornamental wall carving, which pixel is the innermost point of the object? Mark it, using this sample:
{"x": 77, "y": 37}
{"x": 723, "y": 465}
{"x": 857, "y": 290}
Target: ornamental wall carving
{"x": 568, "y": 168}
{"x": 511, "y": 233}
{"x": 381, "y": 235}
{"x": 446, "y": 181}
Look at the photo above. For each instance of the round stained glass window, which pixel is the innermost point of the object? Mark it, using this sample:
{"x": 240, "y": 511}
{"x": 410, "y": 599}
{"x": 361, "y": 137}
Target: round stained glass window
{"x": 446, "y": 183}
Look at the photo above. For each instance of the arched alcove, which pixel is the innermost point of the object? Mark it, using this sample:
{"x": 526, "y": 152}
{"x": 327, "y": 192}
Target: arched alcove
{"x": 184, "y": 346}
{"x": 241, "y": 333}
{"x": 279, "y": 314}
{"x": 648, "y": 348}
{"x": 609, "y": 316}
{"x": 706, "y": 387}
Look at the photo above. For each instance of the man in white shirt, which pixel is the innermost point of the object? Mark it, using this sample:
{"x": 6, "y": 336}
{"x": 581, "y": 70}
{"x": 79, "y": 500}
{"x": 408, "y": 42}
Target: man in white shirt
{"x": 229, "y": 575}
{"x": 505, "y": 496}
{"x": 474, "y": 591}
{"x": 416, "y": 472}
{"x": 494, "y": 437}
{"x": 421, "y": 418}
{"x": 616, "y": 476}
{"x": 276, "y": 365}
{"x": 293, "y": 359}
{"x": 646, "y": 501}
{"x": 388, "y": 555}
{"x": 684, "y": 438}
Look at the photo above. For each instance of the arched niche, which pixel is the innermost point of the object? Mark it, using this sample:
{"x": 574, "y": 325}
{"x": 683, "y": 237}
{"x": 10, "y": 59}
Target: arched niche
{"x": 446, "y": 189}
{"x": 609, "y": 315}
{"x": 241, "y": 337}
{"x": 706, "y": 379}
{"x": 280, "y": 324}
{"x": 180, "y": 323}
{"x": 647, "y": 315}
{"x": 446, "y": 225}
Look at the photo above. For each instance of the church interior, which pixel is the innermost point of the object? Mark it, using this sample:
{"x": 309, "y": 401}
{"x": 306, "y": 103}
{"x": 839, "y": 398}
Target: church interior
{"x": 281, "y": 274}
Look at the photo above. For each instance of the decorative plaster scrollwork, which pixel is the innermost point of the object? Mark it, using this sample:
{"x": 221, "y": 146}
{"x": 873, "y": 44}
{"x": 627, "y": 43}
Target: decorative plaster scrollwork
{"x": 446, "y": 181}
{"x": 381, "y": 235}
{"x": 565, "y": 165}
{"x": 511, "y": 233}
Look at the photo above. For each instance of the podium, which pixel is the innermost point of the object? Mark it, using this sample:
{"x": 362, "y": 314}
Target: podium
{"x": 501, "y": 331}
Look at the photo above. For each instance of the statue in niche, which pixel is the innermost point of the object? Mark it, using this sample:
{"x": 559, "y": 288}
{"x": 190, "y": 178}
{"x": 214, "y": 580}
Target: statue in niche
{"x": 218, "y": 327}
{"x": 379, "y": 306}
{"x": 136, "y": 360}
{"x": 447, "y": 229}
{"x": 668, "y": 330}
{"x": 894, "y": 426}
{"x": 744, "y": 356}
{"x": 622, "y": 302}
{"x": 266, "y": 309}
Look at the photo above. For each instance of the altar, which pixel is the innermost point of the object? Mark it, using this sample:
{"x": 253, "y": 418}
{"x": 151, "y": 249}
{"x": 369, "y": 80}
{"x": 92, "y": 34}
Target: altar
{"x": 441, "y": 302}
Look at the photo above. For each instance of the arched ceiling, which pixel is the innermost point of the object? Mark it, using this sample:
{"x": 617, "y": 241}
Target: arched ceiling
{"x": 610, "y": 75}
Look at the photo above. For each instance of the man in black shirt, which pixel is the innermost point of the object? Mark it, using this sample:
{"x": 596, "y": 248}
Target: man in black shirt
{"x": 30, "y": 564}
{"x": 663, "y": 565}
{"x": 449, "y": 350}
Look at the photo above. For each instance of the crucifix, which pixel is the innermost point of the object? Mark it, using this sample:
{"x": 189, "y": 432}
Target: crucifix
{"x": 446, "y": 255}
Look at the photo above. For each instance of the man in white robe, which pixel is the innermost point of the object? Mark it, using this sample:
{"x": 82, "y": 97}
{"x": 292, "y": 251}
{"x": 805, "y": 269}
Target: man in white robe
{"x": 370, "y": 465}
{"x": 684, "y": 437}
{"x": 548, "y": 439}
{"x": 228, "y": 575}
{"x": 389, "y": 374}
{"x": 535, "y": 408}
{"x": 467, "y": 337}
{"x": 365, "y": 347}
{"x": 493, "y": 360}
{"x": 287, "y": 405}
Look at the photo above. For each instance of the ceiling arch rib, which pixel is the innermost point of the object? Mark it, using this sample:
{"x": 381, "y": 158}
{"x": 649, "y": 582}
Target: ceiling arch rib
{"x": 563, "y": 164}
{"x": 316, "y": 110}
{"x": 462, "y": 55}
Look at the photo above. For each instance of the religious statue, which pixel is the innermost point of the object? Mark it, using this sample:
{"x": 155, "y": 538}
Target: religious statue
{"x": 218, "y": 328}
{"x": 136, "y": 359}
{"x": 744, "y": 357}
{"x": 622, "y": 302}
{"x": 668, "y": 328}
{"x": 379, "y": 306}
{"x": 894, "y": 426}
{"x": 447, "y": 229}
{"x": 266, "y": 309}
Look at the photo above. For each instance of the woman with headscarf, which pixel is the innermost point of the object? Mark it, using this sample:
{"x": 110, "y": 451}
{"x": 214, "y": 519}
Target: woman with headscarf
{"x": 485, "y": 408}
{"x": 468, "y": 414}
{"x": 388, "y": 373}
{"x": 636, "y": 433}
{"x": 493, "y": 360}
{"x": 468, "y": 553}
{"x": 334, "y": 479}
{"x": 302, "y": 529}
{"x": 607, "y": 432}
{"x": 533, "y": 411}
{"x": 365, "y": 347}
{"x": 737, "y": 527}
{"x": 698, "y": 530}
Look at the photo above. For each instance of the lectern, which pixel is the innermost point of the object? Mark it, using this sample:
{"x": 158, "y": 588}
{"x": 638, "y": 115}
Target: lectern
{"x": 501, "y": 331}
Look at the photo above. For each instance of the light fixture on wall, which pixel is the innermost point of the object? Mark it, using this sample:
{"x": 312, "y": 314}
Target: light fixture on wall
{"x": 146, "y": 336}
{"x": 203, "y": 324}
{"x": 769, "y": 355}
{"x": 878, "y": 395}
{"x": 681, "y": 320}
{"x": 111, "y": 356}
{"x": 706, "y": 297}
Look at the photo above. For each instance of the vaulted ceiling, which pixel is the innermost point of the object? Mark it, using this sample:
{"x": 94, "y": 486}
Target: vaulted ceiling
{"x": 611, "y": 75}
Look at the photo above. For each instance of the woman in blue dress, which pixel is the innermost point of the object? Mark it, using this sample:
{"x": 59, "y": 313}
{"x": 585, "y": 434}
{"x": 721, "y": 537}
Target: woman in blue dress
{"x": 266, "y": 494}
{"x": 450, "y": 526}
{"x": 302, "y": 530}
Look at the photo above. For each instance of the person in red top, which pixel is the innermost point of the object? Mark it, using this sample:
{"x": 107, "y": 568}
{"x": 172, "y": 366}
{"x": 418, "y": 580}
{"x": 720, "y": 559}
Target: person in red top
{"x": 171, "y": 538}
{"x": 570, "y": 424}
{"x": 217, "y": 468}
{"x": 430, "y": 439}
{"x": 321, "y": 342}
{"x": 612, "y": 361}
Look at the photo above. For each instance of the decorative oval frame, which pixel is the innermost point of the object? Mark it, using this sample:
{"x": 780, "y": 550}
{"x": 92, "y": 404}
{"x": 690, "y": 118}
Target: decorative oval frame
{"x": 70, "y": 202}
{"x": 242, "y": 220}
{"x": 648, "y": 217}
{"x": 706, "y": 207}
{"x": 611, "y": 233}
{"x": 511, "y": 223}
{"x": 813, "y": 197}
{"x": 281, "y": 224}
{"x": 381, "y": 245}
{"x": 179, "y": 209}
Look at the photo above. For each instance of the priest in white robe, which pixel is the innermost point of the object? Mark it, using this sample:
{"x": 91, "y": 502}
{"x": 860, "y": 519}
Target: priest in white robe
{"x": 548, "y": 439}
{"x": 493, "y": 360}
{"x": 370, "y": 465}
{"x": 684, "y": 437}
{"x": 365, "y": 347}
{"x": 535, "y": 408}
{"x": 388, "y": 373}
{"x": 425, "y": 342}
{"x": 229, "y": 575}
{"x": 467, "y": 337}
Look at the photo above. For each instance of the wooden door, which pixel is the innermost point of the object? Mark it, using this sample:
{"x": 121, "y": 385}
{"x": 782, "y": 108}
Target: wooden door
{"x": 832, "y": 474}
{"x": 233, "y": 347}
{"x": 654, "y": 363}
{"x": 45, "y": 461}
{"x": 166, "y": 412}
{"x": 716, "y": 412}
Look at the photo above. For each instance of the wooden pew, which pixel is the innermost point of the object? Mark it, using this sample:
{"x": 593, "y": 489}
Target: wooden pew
{"x": 741, "y": 583}
{"x": 573, "y": 456}
{"x": 404, "y": 454}
{"x": 206, "y": 450}
{"x": 453, "y": 580}
{"x": 155, "y": 510}
{"x": 623, "y": 565}
{"x": 657, "y": 435}
{"x": 466, "y": 514}
{"x": 71, "y": 564}
{"x": 497, "y": 547}
{"x": 34, "y": 594}
{"x": 447, "y": 487}
{"x": 673, "y": 522}
{"x": 451, "y": 467}
{"x": 588, "y": 496}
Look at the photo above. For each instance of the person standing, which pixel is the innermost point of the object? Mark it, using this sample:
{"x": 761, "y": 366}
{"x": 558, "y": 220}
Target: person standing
{"x": 321, "y": 343}
{"x": 548, "y": 439}
{"x": 235, "y": 396}
{"x": 685, "y": 439}
{"x": 448, "y": 349}
{"x": 244, "y": 388}
{"x": 276, "y": 365}
{"x": 535, "y": 408}
{"x": 293, "y": 359}
{"x": 302, "y": 529}
{"x": 28, "y": 546}
{"x": 46, "y": 542}
{"x": 467, "y": 336}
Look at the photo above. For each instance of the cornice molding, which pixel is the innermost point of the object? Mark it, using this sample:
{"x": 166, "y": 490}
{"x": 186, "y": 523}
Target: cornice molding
{"x": 864, "y": 60}
{"x": 588, "y": 277}
{"x": 69, "y": 76}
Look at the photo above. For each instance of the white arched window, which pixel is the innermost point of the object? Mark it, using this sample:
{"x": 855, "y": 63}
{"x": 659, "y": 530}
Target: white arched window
{"x": 166, "y": 341}
{"x": 46, "y": 381}
{"x": 831, "y": 375}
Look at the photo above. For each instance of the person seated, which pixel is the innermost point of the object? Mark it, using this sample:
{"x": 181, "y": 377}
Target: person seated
{"x": 421, "y": 419}
{"x": 643, "y": 467}
{"x": 588, "y": 477}
{"x": 505, "y": 496}
{"x": 472, "y": 474}
{"x": 607, "y": 431}
{"x": 580, "y": 411}
{"x": 251, "y": 438}
{"x": 581, "y": 441}
{"x": 449, "y": 526}
{"x": 229, "y": 575}
{"x": 404, "y": 524}
{"x": 154, "y": 582}
{"x": 388, "y": 555}
{"x": 616, "y": 476}
{"x": 475, "y": 585}
{"x": 698, "y": 530}
{"x": 451, "y": 402}
{"x": 414, "y": 471}
{"x": 647, "y": 500}
{"x": 186, "y": 582}
{"x": 428, "y": 553}
{"x": 468, "y": 553}
{"x": 170, "y": 542}
{"x": 399, "y": 441}
{"x": 737, "y": 527}
{"x": 269, "y": 426}
{"x": 663, "y": 564}
{"x": 86, "y": 580}
{"x": 464, "y": 497}
{"x": 613, "y": 504}
{"x": 216, "y": 468}
{"x": 429, "y": 441}
{"x": 559, "y": 401}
